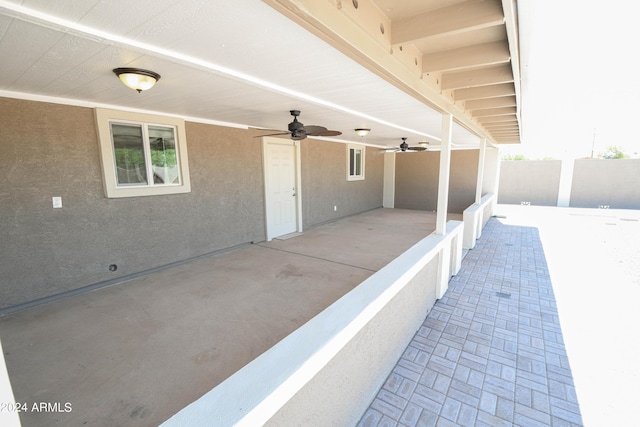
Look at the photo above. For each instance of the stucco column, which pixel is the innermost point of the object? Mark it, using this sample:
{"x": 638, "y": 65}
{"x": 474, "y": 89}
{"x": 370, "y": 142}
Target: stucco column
{"x": 443, "y": 181}
{"x": 389, "y": 182}
{"x": 481, "y": 157}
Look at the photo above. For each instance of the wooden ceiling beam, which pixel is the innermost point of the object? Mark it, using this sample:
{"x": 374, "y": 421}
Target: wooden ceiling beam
{"x": 496, "y": 131}
{"x": 501, "y": 126}
{"x": 490, "y": 91}
{"x": 505, "y": 133}
{"x": 479, "y": 104}
{"x": 496, "y": 119}
{"x": 515, "y": 123}
{"x": 461, "y": 17}
{"x": 397, "y": 50}
{"x": 360, "y": 31}
{"x": 475, "y": 56}
{"x": 481, "y": 77}
{"x": 504, "y": 111}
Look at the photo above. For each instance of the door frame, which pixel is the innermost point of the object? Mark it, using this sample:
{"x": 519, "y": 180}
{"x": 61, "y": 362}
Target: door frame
{"x": 297, "y": 180}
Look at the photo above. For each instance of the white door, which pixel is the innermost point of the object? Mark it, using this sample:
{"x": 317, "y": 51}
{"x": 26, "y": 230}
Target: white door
{"x": 280, "y": 187}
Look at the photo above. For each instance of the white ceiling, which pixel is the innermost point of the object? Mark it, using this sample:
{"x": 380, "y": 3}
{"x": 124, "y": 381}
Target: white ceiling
{"x": 239, "y": 62}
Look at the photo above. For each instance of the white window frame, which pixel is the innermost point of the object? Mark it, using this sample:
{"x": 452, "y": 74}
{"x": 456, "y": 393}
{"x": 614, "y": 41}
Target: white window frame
{"x": 104, "y": 118}
{"x": 355, "y": 177}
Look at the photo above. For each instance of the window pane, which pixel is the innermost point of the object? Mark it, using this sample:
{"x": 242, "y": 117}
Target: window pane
{"x": 351, "y": 161}
{"x": 358, "y": 162}
{"x": 128, "y": 150}
{"x": 162, "y": 142}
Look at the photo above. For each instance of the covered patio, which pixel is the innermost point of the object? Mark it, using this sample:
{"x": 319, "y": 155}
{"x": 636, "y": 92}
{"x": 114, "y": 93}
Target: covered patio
{"x": 491, "y": 352}
{"x": 281, "y": 273}
{"x": 137, "y": 352}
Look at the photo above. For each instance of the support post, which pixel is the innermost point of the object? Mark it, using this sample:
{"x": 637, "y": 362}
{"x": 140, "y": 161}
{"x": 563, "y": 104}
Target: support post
{"x": 481, "y": 157}
{"x": 389, "y": 182}
{"x": 443, "y": 181}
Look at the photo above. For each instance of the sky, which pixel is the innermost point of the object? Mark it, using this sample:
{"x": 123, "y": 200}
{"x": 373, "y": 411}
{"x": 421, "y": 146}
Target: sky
{"x": 580, "y": 77}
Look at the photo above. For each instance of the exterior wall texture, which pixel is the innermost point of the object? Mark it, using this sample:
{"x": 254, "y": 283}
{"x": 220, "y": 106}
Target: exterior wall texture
{"x": 612, "y": 183}
{"x": 595, "y": 183}
{"x": 325, "y": 185}
{"x": 534, "y": 181}
{"x": 52, "y": 150}
{"x": 417, "y": 176}
{"x": 417, "y": 180}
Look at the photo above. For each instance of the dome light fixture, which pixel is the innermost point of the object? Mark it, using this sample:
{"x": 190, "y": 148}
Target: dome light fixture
{"x": 137, "y": 78}
{"x": 362, "y": 131}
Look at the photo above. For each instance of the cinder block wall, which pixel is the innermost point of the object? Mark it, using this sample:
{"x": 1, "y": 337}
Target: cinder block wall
{"x": 610, "y": 182}
{"x": 533, "y": 181}
{"x": 594, "y": 183}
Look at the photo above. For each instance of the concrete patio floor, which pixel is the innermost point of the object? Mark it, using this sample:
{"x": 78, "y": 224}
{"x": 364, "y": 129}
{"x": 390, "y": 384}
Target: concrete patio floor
{"x": 134, "y": 353}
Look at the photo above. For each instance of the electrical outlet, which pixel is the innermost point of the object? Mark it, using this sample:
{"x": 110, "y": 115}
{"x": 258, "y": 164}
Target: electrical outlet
{"x": 57, "y": 202}
{"x": 335, "y": 208}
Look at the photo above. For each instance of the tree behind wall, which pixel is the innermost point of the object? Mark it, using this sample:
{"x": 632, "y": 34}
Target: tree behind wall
{"x": 612, "y": 152}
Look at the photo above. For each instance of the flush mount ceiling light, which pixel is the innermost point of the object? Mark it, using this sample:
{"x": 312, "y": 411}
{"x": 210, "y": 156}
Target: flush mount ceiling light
{"x": 137, "y": 78}
{"x": 362, "y": 132}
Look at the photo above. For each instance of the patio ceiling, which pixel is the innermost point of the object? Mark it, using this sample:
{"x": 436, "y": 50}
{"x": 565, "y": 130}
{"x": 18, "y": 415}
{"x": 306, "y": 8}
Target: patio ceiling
{"x": 392, "y": 66}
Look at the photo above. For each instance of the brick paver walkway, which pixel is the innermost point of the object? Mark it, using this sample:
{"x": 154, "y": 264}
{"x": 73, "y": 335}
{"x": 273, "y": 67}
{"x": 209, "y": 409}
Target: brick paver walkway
{"x": 491, "y": 352}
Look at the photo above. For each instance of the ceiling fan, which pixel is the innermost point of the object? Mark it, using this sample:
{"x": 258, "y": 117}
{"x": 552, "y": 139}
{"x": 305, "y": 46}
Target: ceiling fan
{"x": 404, "y": 147}
{"x": 299, "y": 131}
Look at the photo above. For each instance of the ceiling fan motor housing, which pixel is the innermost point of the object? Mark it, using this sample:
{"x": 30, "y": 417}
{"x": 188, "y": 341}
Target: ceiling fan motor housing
{"x": 298, "y": 135}
{"x": 295, "y": 125}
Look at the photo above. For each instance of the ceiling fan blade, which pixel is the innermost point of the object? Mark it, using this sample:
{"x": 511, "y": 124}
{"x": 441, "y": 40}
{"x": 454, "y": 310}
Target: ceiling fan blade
{"x": 418, "y": 148}
{"x": 312, "y": 129}
{"x": 273, "y": 134}
{"x": 326, "y": 133}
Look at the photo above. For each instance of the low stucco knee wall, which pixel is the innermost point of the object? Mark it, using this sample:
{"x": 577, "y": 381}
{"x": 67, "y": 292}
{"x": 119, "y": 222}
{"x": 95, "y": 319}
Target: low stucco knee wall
{"x": 475, "y": 217}
{"x": 328, "y": 371}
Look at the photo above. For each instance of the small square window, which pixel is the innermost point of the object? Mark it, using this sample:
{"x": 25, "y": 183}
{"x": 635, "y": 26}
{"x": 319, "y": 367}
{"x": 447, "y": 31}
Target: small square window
{"x": 142, "y": 155}
{"x": 355, "y": 163}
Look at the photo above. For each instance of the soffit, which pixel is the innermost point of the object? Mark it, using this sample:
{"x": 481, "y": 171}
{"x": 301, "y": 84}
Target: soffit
{"x": 239, "y": 63}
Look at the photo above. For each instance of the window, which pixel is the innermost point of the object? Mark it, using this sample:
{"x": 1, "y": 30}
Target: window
{"x": 142, "y": 154}
{"x": 355, "y": 163}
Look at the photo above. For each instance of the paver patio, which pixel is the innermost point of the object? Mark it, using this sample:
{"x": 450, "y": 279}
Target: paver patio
{"x": 491, "y": 351}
